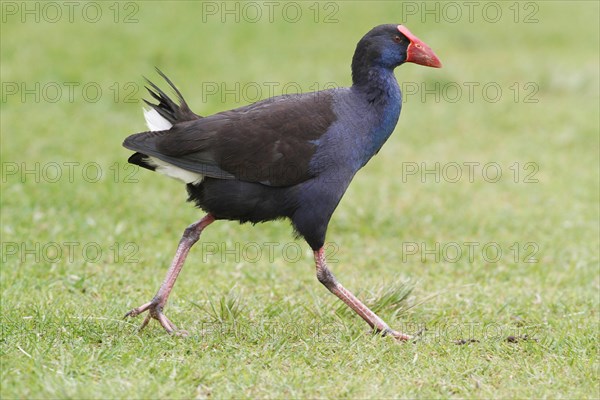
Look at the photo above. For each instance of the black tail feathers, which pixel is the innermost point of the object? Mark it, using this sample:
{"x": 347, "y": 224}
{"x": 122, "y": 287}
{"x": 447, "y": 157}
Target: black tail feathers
{"x": 166, "y": 107}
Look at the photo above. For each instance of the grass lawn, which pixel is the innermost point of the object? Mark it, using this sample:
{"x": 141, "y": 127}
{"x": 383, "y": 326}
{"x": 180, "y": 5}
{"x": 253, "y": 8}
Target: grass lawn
{"x": 477, "y": 224}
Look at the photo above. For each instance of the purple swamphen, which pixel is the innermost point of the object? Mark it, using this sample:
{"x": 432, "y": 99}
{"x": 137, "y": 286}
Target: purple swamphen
{"x": 290, "y": 156}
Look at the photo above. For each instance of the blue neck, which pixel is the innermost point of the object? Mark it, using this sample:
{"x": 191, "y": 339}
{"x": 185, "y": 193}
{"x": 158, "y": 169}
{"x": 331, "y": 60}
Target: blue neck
{"x": 381, "y": 90}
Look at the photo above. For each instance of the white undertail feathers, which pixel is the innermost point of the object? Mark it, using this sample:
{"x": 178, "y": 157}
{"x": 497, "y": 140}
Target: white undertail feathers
{"x": 157, "y": 122}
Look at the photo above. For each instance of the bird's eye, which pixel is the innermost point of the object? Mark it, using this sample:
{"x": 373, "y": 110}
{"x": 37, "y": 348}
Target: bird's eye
{"x": 397, "y": 39}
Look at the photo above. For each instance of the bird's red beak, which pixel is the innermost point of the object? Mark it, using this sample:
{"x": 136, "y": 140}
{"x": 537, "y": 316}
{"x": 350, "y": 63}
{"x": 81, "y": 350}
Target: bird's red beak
{"x": 418, "y": 52}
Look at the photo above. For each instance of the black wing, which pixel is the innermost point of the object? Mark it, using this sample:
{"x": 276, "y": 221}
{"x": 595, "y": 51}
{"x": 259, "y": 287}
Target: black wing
{"x": 270, "y": 142}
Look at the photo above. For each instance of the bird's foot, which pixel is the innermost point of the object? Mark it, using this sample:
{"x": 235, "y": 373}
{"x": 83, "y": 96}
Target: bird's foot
{"x": 399, "y": 336}
{"x": 154, "y": 309}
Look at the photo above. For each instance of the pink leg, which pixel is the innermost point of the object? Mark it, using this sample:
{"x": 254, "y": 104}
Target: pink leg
{"x": 326, "y": 278}
{"x": 155, "y": 307}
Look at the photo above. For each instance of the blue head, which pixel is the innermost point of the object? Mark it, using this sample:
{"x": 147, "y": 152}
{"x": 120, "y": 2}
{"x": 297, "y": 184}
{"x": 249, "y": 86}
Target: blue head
{"x": 388, "y": 46}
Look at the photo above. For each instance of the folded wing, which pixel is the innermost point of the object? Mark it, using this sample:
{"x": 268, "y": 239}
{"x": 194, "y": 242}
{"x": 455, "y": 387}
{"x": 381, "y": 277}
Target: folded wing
{"x": 270, "y": 142}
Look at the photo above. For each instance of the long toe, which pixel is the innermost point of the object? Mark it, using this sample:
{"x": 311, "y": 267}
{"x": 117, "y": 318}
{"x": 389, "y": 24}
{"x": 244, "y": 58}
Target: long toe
{"x": 138, "y": 310}
{"x": 399, "y": 336}
{"x": 162, "y": 318}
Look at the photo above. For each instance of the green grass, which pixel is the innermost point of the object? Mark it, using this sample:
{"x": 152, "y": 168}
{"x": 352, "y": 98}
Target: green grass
{"x": 261, "y": 326}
